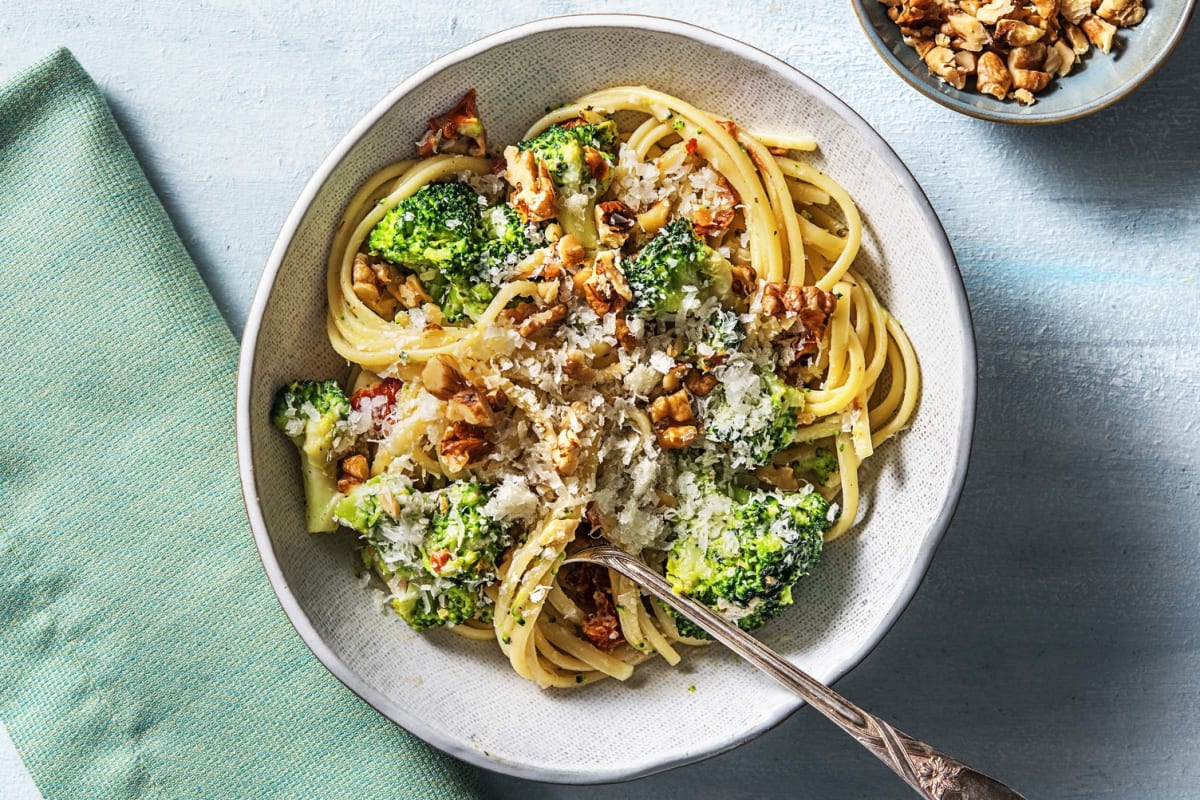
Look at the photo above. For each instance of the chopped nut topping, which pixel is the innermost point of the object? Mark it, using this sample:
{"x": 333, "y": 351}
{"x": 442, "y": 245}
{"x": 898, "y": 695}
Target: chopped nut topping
{"x": 442, "y": 377}
{"x": 960, "y": 38}
{"x": 700, "y": 383}
{"x": 539, "y": 320}
{"x": 533, "y": 194}
{"x": 569, "y": 250}
{"x": 674, "y": 378}
{"x": 714, "y": 219}
{"x": 653, "y": 218}
{"x": 1099, "y": 32}
{"x": 497, "y": 399}
{"x": 626, "y": 339}
{"x": 470, "y": 406}
{"x": 941, "y": 63}
{"x": 677, "y": 437}
{"x": 577, "y": 369}
{"x": 614, "y": 223}
{"x": 352, "y": 470}
{"x": 462, "y": 445}
{"x": 564, "y": 452}
{"x": 1123, "y": 13}
{"x": 605, "y": 288}
{"x": 458, "y": 131}
{"x": 812, "y": 307}
{"x": 745, "y": 279}
{"x": 992, "y": 76}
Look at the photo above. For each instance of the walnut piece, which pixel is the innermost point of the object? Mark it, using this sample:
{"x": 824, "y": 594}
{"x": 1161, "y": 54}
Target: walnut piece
{"x": 1099, "y": 32}
{"x": 458, "y": 131}
{"x": 1123, "y": 13}
{"x": 533, "y": 194}
{"x": 468, "y": 405}
{"x": 442, "y": 377}
{"x": 713, "y": 218}
{"x": 614, "y": 223}
{"x": 551, "y": 315}
{"x": 462, "y": 445}
{"x": 564, "y": 452}
{"x": 605, "y": 288}
{"x": 991, "y": 76}
{"x": 942, "y": 64}
{"x": 352, "y": 470}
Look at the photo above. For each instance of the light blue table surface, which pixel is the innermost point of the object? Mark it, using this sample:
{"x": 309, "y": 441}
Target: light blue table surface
{"x": 1055, "y": 640}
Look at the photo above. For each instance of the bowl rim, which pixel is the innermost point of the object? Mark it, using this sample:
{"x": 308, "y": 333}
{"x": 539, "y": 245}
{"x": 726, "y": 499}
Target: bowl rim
{"x": 1017, "y": 116}
{"x": 248, "y": 357}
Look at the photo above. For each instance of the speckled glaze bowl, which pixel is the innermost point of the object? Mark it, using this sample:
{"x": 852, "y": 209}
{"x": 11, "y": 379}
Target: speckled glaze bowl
{"x": 462, "y": 696}
{"x": 1098, "y": 82}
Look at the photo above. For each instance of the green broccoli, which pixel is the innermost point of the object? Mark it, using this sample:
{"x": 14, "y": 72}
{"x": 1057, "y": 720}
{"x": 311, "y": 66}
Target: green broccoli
{"x": 743, "y": 560}
{"x": 675, "y": 259}
{"x": 313, "y": 415}
{"x": 821, "y": 463}
{"x": 720, "y": 335}
{"x": 751, "y": 414}
{"x": 579, "y": 158}
{"x": 456, "y": 246}
{"x": 440, "y": 547}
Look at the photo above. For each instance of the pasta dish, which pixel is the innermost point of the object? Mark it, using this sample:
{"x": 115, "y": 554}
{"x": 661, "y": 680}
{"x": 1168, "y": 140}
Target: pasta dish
{"x": 640, "y": 322}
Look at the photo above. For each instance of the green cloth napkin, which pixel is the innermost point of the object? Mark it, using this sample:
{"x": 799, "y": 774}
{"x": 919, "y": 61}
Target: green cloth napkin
{"x": 142, "y": 652}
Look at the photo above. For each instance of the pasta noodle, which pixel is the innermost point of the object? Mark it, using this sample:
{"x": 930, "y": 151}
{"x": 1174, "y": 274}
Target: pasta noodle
{"x": 791, "y": 224}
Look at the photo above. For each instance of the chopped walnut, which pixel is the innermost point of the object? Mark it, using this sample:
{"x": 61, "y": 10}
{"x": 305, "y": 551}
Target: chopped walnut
{"x": 468, "y": 405}
{"x": 1123, "y": 13}
{"x": 605, "y": 288}
{"x": 462, "y": 445}
{"x": 993, "y": 12}
{"x": 677, "y": 437}
{"x": 597, "y": 164}
{"x": 992, "y": 76}
{"x": 352, "y": 470}
{"x": 624, "y": 336}
{"x": 614, "y": 223}
{"x": 551, "y": 315}
{"x": 674, "y": 377}
{"x": 569, "y": 250}
{"x": 653, "y": 218}
{"x": 812, "y": 308}
{"x": 700, "y": 383}
{"x": 368, "y": 288}
{"x": 564, "y": 452}
{"x": 1099, "y": 32}
{"x": 713, "y": 218}
{"x": 442, "y": 377}
{"x": 533, "y": 194}
{"x": 941, "y": 63}
{"x": 497, "y": 399}
{"x": 458, "y": 131}
{"x": 577, "y": 368}
{"x": 970, "y": 32}
{"x": 958, "y": 38}
{"x": 745, "y": 279}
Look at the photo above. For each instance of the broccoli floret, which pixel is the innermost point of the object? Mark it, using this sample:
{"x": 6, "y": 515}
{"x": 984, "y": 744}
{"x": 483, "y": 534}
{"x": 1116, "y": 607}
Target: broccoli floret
{"x": 313, "y": 415}
{"x": 579, "y": 159}
{"x": 455, "y": 246}
{"x": 674, "y": 259}
{"x": 440, "y": 547}
{"x": 743, "y": 561}
{"x": 822, "y": 463}
{"x": 751, "y": 414}
{"x": 721, "y": 334}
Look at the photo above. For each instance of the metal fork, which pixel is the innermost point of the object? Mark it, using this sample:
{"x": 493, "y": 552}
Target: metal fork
{"x": 933, "y": 774}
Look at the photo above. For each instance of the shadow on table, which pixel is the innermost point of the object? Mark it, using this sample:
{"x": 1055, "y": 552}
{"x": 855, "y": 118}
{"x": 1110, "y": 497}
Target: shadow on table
{"x": 1154, "y": 130}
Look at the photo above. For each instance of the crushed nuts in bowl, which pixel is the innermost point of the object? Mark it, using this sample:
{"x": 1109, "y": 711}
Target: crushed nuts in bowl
{"x": 1013, "y": 49}
{"x": 1024, "y": 61}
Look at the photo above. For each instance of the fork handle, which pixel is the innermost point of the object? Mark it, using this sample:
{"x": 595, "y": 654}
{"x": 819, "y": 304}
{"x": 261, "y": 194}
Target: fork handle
{"x": 933, "y": 774}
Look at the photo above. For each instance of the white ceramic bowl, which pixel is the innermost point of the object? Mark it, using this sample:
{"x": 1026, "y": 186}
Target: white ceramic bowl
{"x": 463, "y": 696}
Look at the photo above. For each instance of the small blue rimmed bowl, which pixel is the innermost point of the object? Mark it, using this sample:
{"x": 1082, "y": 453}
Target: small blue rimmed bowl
{"x": 1098, "y": 82}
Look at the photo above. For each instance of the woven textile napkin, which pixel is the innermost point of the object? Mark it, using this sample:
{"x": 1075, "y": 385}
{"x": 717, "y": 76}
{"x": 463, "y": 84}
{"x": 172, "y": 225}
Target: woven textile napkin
{"x": 142, "y": 653}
